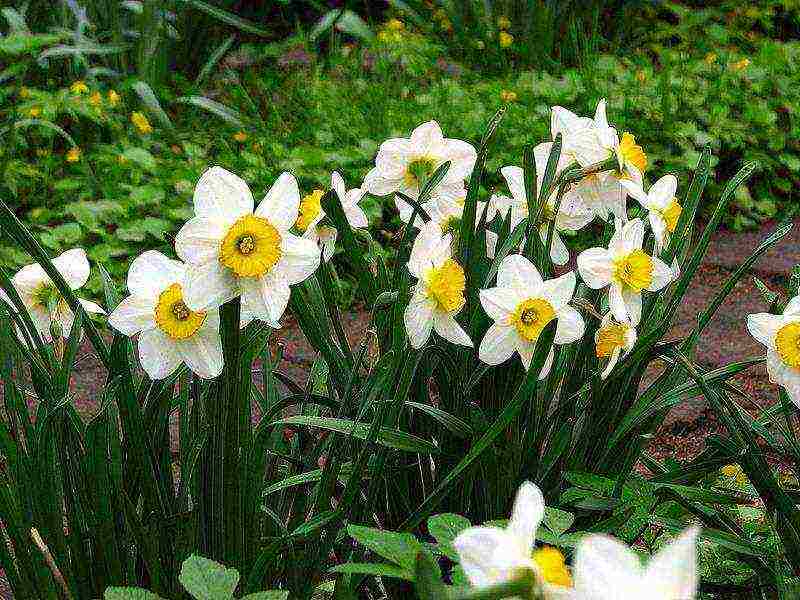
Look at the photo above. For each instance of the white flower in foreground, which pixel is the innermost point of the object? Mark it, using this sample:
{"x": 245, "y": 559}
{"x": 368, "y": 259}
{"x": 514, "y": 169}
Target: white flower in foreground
{"x": 661, "y": 204}
{"x": 521, "y": 306}
{"x": 234, "y": 251}
{"x": 606, "y": 569}
{"x": 491, "y": 555}
{"x": 781, "y": 335}
{"x": 626, "y": 270}
{"x": 613, "y": 340}
{"x": 41, "y": 298}
{"x": 438, "y": 296}
{"x": 402, "y": 163}
{"x": 170, "y": 333}
{"x": 311, "y": 215}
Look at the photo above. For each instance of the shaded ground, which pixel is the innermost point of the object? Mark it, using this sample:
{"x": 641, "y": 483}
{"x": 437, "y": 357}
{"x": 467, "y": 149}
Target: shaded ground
{"x": 725, "y": 340}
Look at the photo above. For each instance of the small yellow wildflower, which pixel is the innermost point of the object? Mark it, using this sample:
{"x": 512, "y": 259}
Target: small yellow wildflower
{"x": 508, "y": 96}
{"x": 503, "y": 22}
{"x": 79, "y": 87}
{"x": 731, "y": 470}
{"x": 96, "y": 99}
{"x": 641, "y": 76}
{"x": 141, "y": 123}
{"x": 710, "y": 58}
{"x": 34, "y": 112}
{"x": 740, "y": 65}
{"x": 24, "y": 93}
{"x": 121, "y": 159}
{"x": 240, "y": 136}
{"x": 42, "y": 152}
{"x": 113, "y": 98}
{"x": 74, "y": 154}
{"x": 383, "y": 36}
{"x": 395, "y": 25}
{"x": 506, "y": 39}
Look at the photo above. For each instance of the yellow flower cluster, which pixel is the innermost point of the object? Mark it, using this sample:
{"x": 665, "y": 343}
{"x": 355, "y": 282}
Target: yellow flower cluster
{"x": 392, "y": 31}
{"x": 141, "y": 123}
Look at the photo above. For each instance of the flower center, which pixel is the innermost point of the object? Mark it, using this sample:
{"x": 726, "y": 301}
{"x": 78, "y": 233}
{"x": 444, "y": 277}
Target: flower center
{"x": 787, "y": 343}
{"x": 609, "y": 338}
{"x": 310, "y": 207}
{"x": 173, "y": 317}
{"x": 634, "y": 271}
{"x": 671, "y": 214}
{"x": 445, "y": 286}
{"x": 419, "y": 171}
{"x": 251, "y": 247}
{"x": 531, "y": 317}
{"x": 551, "y": 566}
{"x": 630, "y": 153}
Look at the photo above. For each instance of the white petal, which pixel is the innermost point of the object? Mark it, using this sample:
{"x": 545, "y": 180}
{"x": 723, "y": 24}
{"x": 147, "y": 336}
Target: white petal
{"x": 265, "y": 297}
{"x": 605, "y": 569}
{"x": 499, "y": 303}
{"x": 596, "y": 267}
{"x": 91, "y": 307}
{"x": 430, "y": 248}
{"x": 462, "y": 156}
{"x": 28, "y": 278}
{"x": 418, "y": 319}
{"x": 427, "y": 139}
{"x": 356, "y": 216}
{"x": 565, "y": 122}
{"x": 300, "y": 257}
{"x": 281, "y": 203}
{"x": 74, "y": 267}
{"x": 793, "y": 307}
{"x": 764, "y": 326}
{"x": 559, "y": 291}
{"x": 447, "y": 327}
{"x": 672, "y": 573}
{"x": 209, "y": 286}
{"x": 491, "y": 244}
{"x": 202, "y": 352}
{"x": 558, "y": 251}
{"x": 663, "y": 191}
{"x": 633, "y": 235}
{"x": 41, "y": 321}
{"x": 220, "y": 194}
{"x": 393, "y": 158}
{"x": 476, "y": 547}
{"x": 133, "y": 314}
{"x": 378, "y": 184}
{"x": 612, "y": 362}
{"x": 158, "y": 354}
{"x": 600, "y": 118}
{"x": 199, "y": 239}
{"x": 662, "y": 275}
{"x": 586, "y": 147}
{"x": 548, "y": 363}
{"x": 570, "y": 326}
{"x": 516, "y": 271}
{"x": 633, "y": 305}
{"x": 659, "y": 227}
{"x": 526, "y": 515}
{"x": 616, "y": 303}
{"x": 405, "y": 210}
{"x": 498, "y": 345}
{"x": 151, "y": 273}
{"x": 515, "y": 179}
{"x": 790, "y": 380}
{"x": 776, "y": 368}
{"x": 636, "y": 191}
{"x": 337, "y": 184}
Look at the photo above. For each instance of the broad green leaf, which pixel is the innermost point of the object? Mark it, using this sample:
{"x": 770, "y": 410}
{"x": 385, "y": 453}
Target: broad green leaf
{"x": 216, "y": 108}
{"x": 129, "y": 593}
{"x": 444, "y": 528}
{"x": 208, "y": 580}
{"x": 399, "y": 548}
{"x": 267, "y": 595}
{"x": 558, "y": 521}
{"x": 376, "y": 569}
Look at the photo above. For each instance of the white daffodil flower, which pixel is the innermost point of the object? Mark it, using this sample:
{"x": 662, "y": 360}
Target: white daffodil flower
{"x": 613, "y": 340}
{"x": 606, "y": 569}
{"x": 663, "y": 209}
{"x": 170, "y": 333}
{"x": 311, "y": 215}
{"x": 42, "y": 300}
{"x": 626, "y": 270}
{"x": 491, "y": 555}
{"x": 781, "y": 335}
{"x": 438, "y": 295}
{"x": 521, "y": 306}
{"x": 234, "y": 251}
{"x": 403, "y": 163}
{"x": 573, "y": 214}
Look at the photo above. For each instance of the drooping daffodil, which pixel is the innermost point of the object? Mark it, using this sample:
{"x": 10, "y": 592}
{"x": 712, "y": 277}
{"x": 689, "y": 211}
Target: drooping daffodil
{"x": 613, "y": 340}
{"x": 626, "y": 270}
{"x": 47, "y": 308}
{"x": 236, "y": 251}
{"x": 521, "y": 306}
{"x": 663, "y": 208}
{"x": 438, "y": 295}
{"x": 170, "y": 333}
{"x": 494, "y": 555}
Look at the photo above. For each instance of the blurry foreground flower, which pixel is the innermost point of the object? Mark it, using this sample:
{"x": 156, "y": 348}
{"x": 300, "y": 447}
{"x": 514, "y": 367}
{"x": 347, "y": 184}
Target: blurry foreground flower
{"x": 505, "y": 39}
{"x": 47, "y": 308}
{"x": 170, "y": 333}
{"x": 663, "y": 209}
{"x": 521, "y": 306}
{"x": 612, "y": 341}
{"x": 73, "y": 154}
{"x": 113, "y": 98}
{"x": 141, "y": 123}
{"x": 781, "y": 335}
{"x": 235, "y": 251}
{"x": 491, "y": 555}
{"x": 79, "y": 87}
{"x": 626, "y": 270}
{"x": 96, "y": 99}
{"x": 606, "y": 569}
{"x": 438, "y": 295}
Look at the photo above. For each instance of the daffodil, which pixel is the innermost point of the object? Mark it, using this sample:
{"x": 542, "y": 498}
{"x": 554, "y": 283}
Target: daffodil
{"x": 505, "y": 39}
{"x": 626, "y": 270}
{"x": 438, "y": 295}
{"x": 311, "y": 215}
{"x": 494, "y": 555}
{"x": 79, "y": 87}
{"x": 113, "y": 98}
{"x": 613, "y": 340}
{"x": 45, "y": 305}
{"x": 141, "y": 123}
{"x": 508, "y": 96}
{"x": 606, "y": 569}
{"x": 521, "y": 306}
{"x": 73, "y": 154}
{"x": 235, "y": 251}
{"x": 631, "y": 158}
{"x": 96, "y": 99}
{"x": 405, "y": 164}
{"x": 662, "y": 206}
{"x": 781, "y": 335}
{"x": 573, "y": 214}
{"x": 170, "y": 333}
